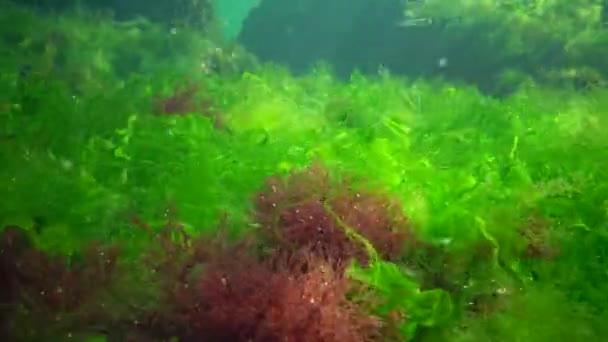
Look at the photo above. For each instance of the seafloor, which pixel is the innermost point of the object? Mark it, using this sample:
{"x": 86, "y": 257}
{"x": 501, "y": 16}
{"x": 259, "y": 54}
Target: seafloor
{"x": 159, "y": 186}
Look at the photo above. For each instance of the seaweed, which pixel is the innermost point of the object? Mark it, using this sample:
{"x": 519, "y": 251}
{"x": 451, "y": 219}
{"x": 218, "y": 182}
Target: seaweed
{"x": 284, "y": 297}
{"x": 217, "y": 290}
{"x": 434, "y": 213}
{"x": 307, "y": 211}
{"x": 187, "y": 98}
{"x": 40, "y": 287}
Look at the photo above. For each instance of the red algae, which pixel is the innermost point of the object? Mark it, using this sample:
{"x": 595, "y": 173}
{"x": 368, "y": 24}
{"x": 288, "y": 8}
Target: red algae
{"x": 300, "y": 212}
{"x": 285, "y": 282}
{"x": 284, "y": 297}
{"x": 188, "y": 98}
{"x": 230, "y": 291}
{"x": 536, "y": 234}
{"x": 39, "y": 287}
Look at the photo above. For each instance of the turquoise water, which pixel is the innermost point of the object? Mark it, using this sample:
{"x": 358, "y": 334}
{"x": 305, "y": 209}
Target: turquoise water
{"x": 232, "y": 14}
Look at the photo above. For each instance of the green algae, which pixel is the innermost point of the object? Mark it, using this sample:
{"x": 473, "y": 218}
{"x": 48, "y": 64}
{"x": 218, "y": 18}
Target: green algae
{"x": 471, "y": 172}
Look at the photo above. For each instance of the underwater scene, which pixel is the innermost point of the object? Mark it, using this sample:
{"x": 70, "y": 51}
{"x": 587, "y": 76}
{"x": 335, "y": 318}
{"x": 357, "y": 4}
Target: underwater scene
{"x": 303, "y": 171}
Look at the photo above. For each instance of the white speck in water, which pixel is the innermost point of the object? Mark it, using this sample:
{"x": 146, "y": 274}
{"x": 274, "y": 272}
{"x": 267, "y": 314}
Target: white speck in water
{"x": 173, "y": 30}
{"x": 445, "y": 241}
{"x": 501, "y": 291}
{"x": 67, "y": 164}
{"x": 442, "y": 62}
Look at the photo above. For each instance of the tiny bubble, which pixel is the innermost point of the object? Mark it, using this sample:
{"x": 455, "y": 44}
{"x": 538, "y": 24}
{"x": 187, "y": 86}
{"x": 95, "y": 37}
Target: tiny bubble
{"x": 67, "y": 164}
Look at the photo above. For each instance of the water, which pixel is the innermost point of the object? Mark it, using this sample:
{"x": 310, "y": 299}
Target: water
{"x": 303, "y": 171}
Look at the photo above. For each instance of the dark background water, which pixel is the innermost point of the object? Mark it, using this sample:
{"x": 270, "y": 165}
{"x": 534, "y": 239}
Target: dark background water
{"x": 365, "y": 35}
